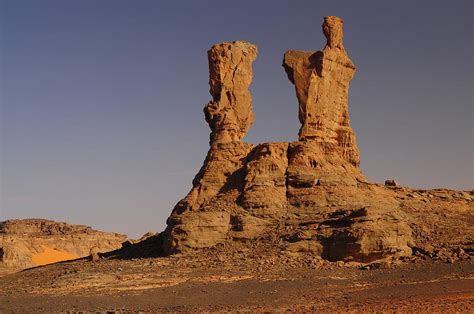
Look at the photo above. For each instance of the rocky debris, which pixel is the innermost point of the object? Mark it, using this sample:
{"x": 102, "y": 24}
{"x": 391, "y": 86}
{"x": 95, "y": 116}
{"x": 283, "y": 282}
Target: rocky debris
{"x": 306, "y": 198}
{"x": 248, "y": 272}
{"x": 32, "y": 242}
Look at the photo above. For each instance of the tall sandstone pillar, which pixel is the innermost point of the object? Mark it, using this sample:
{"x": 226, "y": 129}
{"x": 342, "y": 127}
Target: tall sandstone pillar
{"x": 321, "y": 80}
{"x": 229, "y": 113}
{"x": 196, "y": 221}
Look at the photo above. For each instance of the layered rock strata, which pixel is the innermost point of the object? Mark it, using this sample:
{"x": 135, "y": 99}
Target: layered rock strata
{"x": 33, "y": 242}
{"x": 305, "y": 197}
{"x": 321, "y": 80}
{"x": 229, "y": 115}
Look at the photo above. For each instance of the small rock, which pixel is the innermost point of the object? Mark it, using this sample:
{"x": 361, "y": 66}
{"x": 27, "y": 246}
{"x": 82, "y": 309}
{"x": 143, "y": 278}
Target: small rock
{"x": 94, "y": 257}
{"x": 94, "y": 254}
{"x": 385, "y": 264}
{"x": 391, "y": 183}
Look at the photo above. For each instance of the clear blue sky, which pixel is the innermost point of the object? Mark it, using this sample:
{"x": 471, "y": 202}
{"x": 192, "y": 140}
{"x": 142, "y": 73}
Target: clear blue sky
{"x": 101, "y": 101}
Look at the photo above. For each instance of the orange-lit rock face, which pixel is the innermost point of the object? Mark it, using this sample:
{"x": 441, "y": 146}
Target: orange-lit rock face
{"x": 230, "y": 116}
{"x": 229, "y": 113}
{"x": 313, "y": 186}
{"x": 33, "y": 242}
{"x": 264, "y": 190}
{"x": 321, "y": 80}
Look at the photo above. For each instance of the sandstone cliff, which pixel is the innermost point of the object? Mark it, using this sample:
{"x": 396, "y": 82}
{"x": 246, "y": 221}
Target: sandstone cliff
{"x": 33, "y": 242}
{"x": 304, "y": 197}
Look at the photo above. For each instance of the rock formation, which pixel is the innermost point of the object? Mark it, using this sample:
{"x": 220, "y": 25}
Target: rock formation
{"x": 33, "y": 242}
{"x": 230, "y": 116}
{"x": 321, "y": 80}
{"x": 229, "y": 113}
{"x": 306, "y": 197}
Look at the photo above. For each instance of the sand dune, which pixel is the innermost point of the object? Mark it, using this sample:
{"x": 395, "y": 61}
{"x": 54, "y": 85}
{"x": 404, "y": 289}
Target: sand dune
{"x": 50, "y": 255}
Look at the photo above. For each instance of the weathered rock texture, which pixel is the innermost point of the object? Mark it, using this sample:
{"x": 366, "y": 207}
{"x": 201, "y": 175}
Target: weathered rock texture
{"x": 304, "y": 197}
{"x": 229, "y": 113}
{"x": 230, "y": 116}
{"x": 321, "y": 80}
{"x": 32, "y": 242}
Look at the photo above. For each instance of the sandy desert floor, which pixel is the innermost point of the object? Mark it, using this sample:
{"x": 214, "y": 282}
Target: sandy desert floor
{"x": 217, "y": 283}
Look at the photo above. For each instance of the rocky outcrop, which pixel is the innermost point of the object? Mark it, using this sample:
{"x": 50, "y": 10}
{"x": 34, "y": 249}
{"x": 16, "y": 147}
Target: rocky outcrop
{"x": 366, "y": 234}
{"x": 230, "y": 116}
{"x": 229, "y": 113}
{"x": 321, "y": 80}
{"x": 304, "y": 197}
{"x": 33, "y": 242}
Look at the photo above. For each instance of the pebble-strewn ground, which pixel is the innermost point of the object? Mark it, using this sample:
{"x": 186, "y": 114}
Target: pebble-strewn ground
{"x": 214, "y": 281}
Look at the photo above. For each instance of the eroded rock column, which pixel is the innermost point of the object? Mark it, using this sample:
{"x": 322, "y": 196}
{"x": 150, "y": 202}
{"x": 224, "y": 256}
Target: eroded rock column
{"x": 321, "y": 82}
{"x": 197, "y": 220}
{"x": 229, "y": 113}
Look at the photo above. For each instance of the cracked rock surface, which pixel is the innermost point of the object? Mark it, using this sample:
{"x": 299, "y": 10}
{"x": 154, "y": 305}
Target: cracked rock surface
{"x": 304, "y": 197}
{"x": 32, "y": 242}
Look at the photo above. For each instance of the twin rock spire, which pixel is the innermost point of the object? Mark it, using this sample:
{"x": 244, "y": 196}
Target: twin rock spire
{"x": 321, "y": 80}
{"x": 242, "y": 192}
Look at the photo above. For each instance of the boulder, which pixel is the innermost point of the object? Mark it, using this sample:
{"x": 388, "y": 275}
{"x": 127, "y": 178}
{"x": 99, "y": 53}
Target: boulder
{"x": 194, "y": 230}
{"x": 391, "y": 183}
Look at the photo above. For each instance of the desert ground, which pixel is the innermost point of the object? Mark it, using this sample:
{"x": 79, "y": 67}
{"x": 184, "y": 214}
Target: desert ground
{"x": 222, "y": 281}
